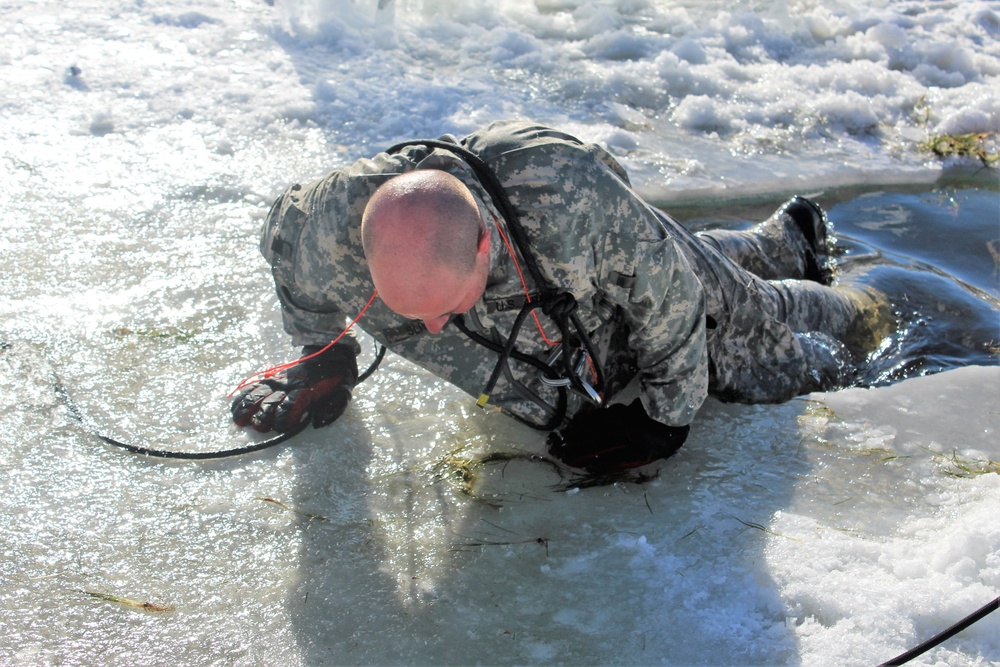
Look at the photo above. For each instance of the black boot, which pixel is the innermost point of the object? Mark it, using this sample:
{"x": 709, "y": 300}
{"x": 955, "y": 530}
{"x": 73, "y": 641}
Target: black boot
{"x": 812, "y": 222}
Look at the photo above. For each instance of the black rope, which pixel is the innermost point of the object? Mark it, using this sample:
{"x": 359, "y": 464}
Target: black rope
{"x": 373, "y": 367}
{"x": 559, "y": 413}
{"x": 508, "y": 347}
{"x": 75, "y": 412}
{"x": 517, "y": 355}
{"x": 941, "y": 637}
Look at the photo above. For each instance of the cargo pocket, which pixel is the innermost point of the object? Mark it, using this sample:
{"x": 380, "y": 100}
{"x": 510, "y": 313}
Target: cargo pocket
{"x": 616, "y": 274}
{"x": 280, "y": 235}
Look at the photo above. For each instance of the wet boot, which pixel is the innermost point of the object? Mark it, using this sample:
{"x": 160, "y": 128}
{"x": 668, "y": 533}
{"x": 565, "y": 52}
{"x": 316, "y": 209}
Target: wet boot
{"x": 810, "y": 220}
{"x": 794, "y": 243}
{"x": 873, "y": 322}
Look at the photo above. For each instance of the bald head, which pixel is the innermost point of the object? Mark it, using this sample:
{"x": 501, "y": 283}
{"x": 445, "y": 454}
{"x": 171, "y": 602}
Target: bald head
{"x": 426, "y": 214}
{"x": 425, "y": 242}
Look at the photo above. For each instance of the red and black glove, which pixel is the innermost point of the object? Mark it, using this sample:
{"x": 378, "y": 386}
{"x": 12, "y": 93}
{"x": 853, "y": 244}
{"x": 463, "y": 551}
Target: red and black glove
{"x": 614, "y": 439}
{"x": 316, "y": 390}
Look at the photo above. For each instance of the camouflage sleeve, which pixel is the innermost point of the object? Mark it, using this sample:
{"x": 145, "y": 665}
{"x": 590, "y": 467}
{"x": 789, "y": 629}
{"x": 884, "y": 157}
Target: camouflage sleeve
{"x": 307, "y": 322}
{"x": 662, "y": 301}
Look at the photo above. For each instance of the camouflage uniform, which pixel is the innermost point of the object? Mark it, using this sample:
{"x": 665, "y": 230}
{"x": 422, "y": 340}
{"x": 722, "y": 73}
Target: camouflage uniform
{"x": 659, "y": 300}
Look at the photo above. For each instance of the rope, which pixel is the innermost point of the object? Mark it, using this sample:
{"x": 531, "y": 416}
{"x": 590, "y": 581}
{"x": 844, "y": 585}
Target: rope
{"x": 76, "y": 413}
{"x": 941, "y": 637}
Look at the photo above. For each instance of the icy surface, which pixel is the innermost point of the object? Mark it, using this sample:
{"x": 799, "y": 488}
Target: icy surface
{"x": 141, "y": 145}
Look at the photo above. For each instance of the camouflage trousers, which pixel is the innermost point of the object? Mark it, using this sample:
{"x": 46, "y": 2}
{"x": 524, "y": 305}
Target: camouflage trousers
{"x": 767, "y": 340}
{"x": 772, "y": 335}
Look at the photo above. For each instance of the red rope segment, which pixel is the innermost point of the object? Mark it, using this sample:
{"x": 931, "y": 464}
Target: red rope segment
{"x": 274, "y": 370}
{"x": 524, "y": 285}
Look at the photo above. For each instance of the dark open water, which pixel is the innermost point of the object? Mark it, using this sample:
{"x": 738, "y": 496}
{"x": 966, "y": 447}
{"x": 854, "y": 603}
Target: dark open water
{"x": 935, "y": 252}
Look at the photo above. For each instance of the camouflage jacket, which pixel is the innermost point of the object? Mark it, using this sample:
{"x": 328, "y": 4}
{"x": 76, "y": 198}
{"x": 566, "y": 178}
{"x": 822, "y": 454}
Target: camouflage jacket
{"x": 591, "y": 235}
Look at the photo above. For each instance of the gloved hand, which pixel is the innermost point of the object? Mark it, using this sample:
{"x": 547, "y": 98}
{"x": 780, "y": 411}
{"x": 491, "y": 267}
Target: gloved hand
{"x": 316, "y": 390}
{"x": 615, "y": 438}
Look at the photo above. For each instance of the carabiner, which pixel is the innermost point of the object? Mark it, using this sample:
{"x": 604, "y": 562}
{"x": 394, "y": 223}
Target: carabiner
{"x": 579, "y": 370}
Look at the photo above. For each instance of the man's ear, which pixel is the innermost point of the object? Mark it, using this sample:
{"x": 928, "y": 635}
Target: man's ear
{"x": 484, "y": 241}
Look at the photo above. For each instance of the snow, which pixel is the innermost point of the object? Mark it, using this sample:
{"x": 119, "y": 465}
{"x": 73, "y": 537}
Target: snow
{"x": 142, "y": 144}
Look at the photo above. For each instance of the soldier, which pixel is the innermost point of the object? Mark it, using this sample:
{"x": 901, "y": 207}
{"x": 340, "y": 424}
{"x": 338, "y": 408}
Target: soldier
{"x": 519, "y": 265}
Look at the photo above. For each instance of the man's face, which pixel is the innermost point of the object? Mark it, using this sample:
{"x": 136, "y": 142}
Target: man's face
{"x": 431, "y": 294}
{"x": 444, "y": 294}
